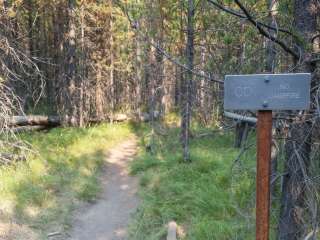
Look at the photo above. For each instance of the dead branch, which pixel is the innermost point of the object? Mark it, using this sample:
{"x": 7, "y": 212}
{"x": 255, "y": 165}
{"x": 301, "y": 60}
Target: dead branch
{"x": 29, "y": 128}
{"x": 8, "y": 158}
{"x": 34, "y": 120}
{"x": 237, "y": 14}
{"x": 263, "y": 32}
{"x": 240, "y": 118}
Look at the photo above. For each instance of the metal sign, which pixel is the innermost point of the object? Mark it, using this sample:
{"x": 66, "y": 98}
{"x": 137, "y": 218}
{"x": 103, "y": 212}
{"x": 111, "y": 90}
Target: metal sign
{"x": 267, "y": 91}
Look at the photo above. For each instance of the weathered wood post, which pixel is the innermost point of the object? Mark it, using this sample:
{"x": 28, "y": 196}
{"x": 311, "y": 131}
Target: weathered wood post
{"x": 264, "y": 139}
{"x": 264, "y": 93}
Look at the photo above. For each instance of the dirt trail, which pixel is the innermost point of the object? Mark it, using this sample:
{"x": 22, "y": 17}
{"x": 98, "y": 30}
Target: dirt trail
{"x": 108, "y": 218}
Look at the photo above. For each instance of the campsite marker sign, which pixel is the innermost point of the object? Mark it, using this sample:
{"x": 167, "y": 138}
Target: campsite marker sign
{"x": 265, "y": 93}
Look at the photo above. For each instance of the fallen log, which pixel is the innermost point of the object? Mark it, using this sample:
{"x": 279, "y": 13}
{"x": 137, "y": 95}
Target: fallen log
{"x": 119, "y": 117}
{"x": 31, "y": 120}
{"x": 240, "y": 118}
{"x": 114, "y": 118}
{"x": 22, "y": 129}
{"x": 146, "y": 117}
{"x": 122, "y": 117}
{"x": 40, "y": 122}
{"x": 8, "y": 158}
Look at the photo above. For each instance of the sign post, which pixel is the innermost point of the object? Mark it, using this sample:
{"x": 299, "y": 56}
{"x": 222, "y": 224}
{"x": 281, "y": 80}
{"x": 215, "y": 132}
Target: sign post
{"x": 265, "y": 93}
{"x": 264, "y": 138}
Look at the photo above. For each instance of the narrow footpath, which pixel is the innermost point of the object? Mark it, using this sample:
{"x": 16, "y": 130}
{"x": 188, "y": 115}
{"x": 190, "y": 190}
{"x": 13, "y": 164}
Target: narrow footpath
{"x": 108, "y": 218}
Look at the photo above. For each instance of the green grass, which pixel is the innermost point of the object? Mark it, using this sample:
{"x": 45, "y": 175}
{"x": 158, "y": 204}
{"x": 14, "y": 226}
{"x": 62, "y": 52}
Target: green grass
{"x": 41, "y": 192}
{"x": 211, "y": 198}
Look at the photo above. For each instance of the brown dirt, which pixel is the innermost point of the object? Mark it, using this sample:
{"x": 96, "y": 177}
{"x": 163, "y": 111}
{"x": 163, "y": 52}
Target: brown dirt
{"x": 13, "y": 231}
{"x": 108, "y": 218}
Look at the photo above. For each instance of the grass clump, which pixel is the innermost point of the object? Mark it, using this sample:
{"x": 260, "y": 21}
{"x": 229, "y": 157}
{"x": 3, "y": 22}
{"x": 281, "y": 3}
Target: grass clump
{"x": 211, "y": 198}
{"x": 41, "y": 192}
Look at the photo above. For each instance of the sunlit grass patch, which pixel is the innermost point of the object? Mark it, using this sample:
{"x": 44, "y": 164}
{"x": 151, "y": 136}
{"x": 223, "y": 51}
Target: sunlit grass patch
{"x": 65, "y": 168}
{"x": 206, "y": 196}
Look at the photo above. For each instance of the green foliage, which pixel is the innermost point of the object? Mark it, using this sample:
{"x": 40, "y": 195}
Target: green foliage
{"x": 42, "y": 191}
{"x": 227, "y": 39}
{"x": 204, "y": 197}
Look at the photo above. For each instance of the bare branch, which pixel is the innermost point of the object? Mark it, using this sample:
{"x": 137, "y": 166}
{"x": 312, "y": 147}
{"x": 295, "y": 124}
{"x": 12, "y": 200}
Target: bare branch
{"x": 237, "y": 14}
{"x": 263, "y": 32}
{"x": 239, "y": 117}
{"x": 135, "y": 26}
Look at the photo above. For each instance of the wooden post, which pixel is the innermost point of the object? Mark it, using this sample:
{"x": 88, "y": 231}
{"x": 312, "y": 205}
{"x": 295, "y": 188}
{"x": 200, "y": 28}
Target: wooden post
{"x": 264, "y": 140}
{"x": 266, "y": 92}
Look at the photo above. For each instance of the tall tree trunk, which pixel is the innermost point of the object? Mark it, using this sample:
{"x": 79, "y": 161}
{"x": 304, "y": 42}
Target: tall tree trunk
{"x": 26, "y": 97}
{"x": 146, "y": 76}
{"x": 72, "y": 100}
{"x": 138, "y": 65}
{"x": 30, "y": 25}
{"x": 204, "y": 88}
{"x": 58, "y": 30}
{"x": 180, "y": 70}
{"x": 298, "y": 145}
{"x": 82, "y": 70}
{"x": 270, "y": 67}
{"x": 271, "y": 51}
{"x": 111, "y": 73}
{"x": 160, "y": 88}
{"x": 241, "y": 128}
{"x": 187, "y": 84}
{"x": 99, "y": 96}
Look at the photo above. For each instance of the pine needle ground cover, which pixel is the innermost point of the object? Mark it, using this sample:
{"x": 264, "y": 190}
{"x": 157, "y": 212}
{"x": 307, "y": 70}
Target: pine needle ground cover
{"x": 38, "y": 195}
{"x": 210, "y": 198}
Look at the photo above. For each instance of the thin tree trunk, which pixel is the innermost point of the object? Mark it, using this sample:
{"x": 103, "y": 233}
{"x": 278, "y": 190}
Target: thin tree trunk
{"x": 111, "y": 73}
{"x": 187, "y": 85}
{"x": 138, "y": 90}
{"x": 71, "y": 66}
{"x": 82, "y": 69}
{"x": 270, "y": 67}
{"x": 99, "y": 98}
{"x": 180, "y": 70}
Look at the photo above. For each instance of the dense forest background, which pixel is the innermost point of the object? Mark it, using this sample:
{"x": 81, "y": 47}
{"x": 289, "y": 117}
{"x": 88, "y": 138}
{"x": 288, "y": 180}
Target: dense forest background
{"x": 86, "y": 60}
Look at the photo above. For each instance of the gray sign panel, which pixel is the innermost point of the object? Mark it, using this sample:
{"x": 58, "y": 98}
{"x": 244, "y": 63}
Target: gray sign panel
{"x": 267, "y": 91}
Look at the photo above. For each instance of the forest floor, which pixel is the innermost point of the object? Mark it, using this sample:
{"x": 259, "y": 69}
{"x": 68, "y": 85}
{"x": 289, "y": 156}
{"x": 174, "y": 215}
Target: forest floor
{"x": 39, "y": 195}
{"x": 212, "y": 197}
{"x": 79, "y": 185}
{"x": 107, "y": 219}
{"x": 82, "y": 184}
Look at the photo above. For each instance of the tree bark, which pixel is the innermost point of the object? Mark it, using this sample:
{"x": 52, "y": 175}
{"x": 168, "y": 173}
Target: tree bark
{"x": 34, "y": 120}
{"x": 139, "y": 78}
{"x": 187, "y": 83}
{"x": 111, "y": 71}
{"x": 71, "y": 70}
{"x": 298, "y": 145}
{"x": 270, "y": 68}
{"x": 69, "y": 94}
{"x": 179, "y": 79}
